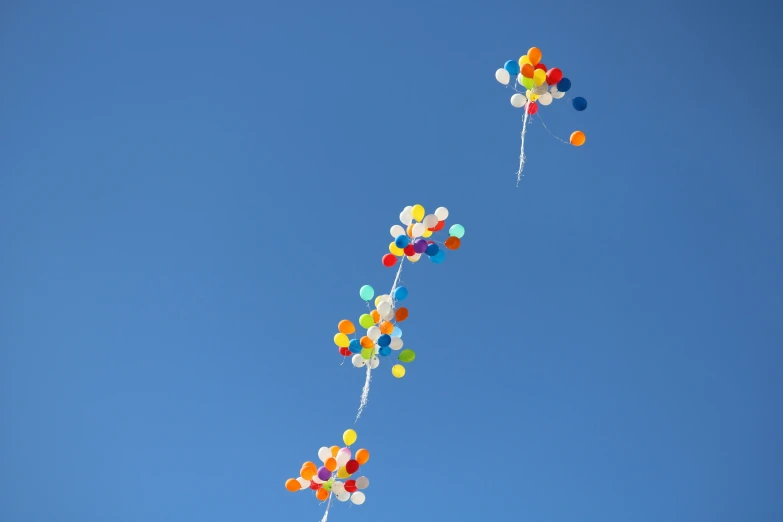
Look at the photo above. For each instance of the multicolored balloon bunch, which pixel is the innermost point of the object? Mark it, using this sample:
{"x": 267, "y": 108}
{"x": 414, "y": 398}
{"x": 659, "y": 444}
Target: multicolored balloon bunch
{"x": 338, "y": 463}
{"x": 413, "y": 241}
{"x": 383, "y": 335}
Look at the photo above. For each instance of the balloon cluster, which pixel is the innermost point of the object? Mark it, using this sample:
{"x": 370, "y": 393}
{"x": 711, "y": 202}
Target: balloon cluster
{"x": 542, "y": 85}
{"x": 337, "y": 463}
{"x": 383, "y": 335}
{"x": 413, "y": 241}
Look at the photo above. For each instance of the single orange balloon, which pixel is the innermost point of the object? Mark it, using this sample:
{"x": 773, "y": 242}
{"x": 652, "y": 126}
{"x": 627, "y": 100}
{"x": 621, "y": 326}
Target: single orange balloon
{"x": 345, "y": 326}
{"x": 528, "y": 70}
{"x": 321, "y": 494}
{"x": 366, "y": 342}
{"x": 410, "y": 230}
{"x": 334, "y": 450}
{"x": 376, "y": 317}
{"x": 535, "y": 55}
{"x": 362, "y": 456}
{"x": 292, "y": 485}
{"x": 330, "y": 464}
{"x": 386, "y": 327}
{"x": 309, "y": 464}
{"x": 578, "y": 138}
{"x": 307, "y": 473}
{"x": 401, "y": 314}
{"x": 452, "y": 243}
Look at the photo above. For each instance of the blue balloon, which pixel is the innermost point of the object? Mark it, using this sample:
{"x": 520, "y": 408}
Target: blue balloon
{"x": 396, "y": 332}
{"x": 401, "y": 241}
{"x": 432, "y": 250}
{"x": 400, "y": 293}
{"x": 512, "y": 66}
{"x": 385, "y": 350}
{"x": 439, "y": 257}
{"x": 579, "y": 103}
{"x": 563, "y": 85}
{"x": 355, "y": 346}
{"x": 384, "y": 340}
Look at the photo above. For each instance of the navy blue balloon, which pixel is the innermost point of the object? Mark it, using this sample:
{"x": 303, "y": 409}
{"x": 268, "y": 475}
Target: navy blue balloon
{"x": 512, "y": 66}
{"x": 385, "y": 350}
{"x": 355, "y": 346}
{"x": 401, "y": 241}
{"x": 400, "y": 293}
{"x": 384, "y": 340}
{"x": 432, "y": 250}
{"x": 564, "y": 85}
{"x": 579, "y": 103}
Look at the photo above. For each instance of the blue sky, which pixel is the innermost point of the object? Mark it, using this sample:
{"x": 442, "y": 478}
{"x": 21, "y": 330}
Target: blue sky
{"x": 192, "y": 193}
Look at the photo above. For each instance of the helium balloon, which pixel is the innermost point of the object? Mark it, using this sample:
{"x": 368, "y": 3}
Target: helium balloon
{"x": 365, "y": 321}
{"x": 457, "y": 231}
{"x": 346, "y": 327}
{"x": 518, "y": 100}
{"x": 362, "y": 456}
{"x": 540, "y": 66}
{"x": 578, "y": 138}
{"x": 452, "y": 243}
{"x": 406, "y": 216}
{"x": 527, "y": 71}
{"x": 439, "y": 257}
{"x": 398, "y": 371}
{"x": 400, "y": 293}
{"x": 292, "y": 485}
{"x": 431, "y": 249}
{"x": 523, "y": 60}
{"x": 384, "y": 340}
{"x": 324, "y": 473}
{"x": 502, "y": 76}
{"x": 545, "y": 99}
{"x": 553, "y": 76}
{"x": 352, "y": 466}
{"x": 534, "y": 53}
{"x": 528, "y": 83}
{"x": 532, "y": 108}
{"x": 331, "y": 464}
{"x": 397, "y": 332}
{"x": 402, "y": 313}
{"x": 395, "y": 231}
{"x": 384, "y": 351}
{"x": 362, "y": 483}
{"x": 407, "y": 356}
{"x": 322, "y": 494}
{"x": 579, "y": 103}
{"x": 401, "y": 241}
{"x": 349, "y": 437}
{"x": 396, "y": 343}
{"x": 420, "y": 245}
{"x": 389, "y": 260}
{"x": 430, "y": 221}
{"x": 366, "y": 292}
{"x": 442, "y": 213}
{"x": 345, "y": 352}
{"x": 350, "y": 486}
{"x": 512, "y": 67}
{"x": 358, "y": 498}
{"x": 564, "y": 85}
{"x": 341, "y": 339}
{"x": 374, "y": 362}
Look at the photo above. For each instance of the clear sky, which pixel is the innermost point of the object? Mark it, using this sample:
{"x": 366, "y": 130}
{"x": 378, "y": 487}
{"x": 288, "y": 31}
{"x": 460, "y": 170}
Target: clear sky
{"x": 192, "y": 193}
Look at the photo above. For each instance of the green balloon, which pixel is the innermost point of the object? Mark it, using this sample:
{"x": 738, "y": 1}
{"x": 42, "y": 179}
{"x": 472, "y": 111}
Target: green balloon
{"x": 366, "y": 321}
{"x": 407, "y": 356}
{"x": 367, "y": 353}
{"x": 366, "y": 292}
{"x": 327, "y": 486}
{"x": 457, "y": 231}
{"x": 528, "y": 82}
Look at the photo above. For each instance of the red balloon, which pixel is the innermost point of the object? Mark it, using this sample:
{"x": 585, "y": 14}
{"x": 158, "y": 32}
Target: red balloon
{"x": 540, "y": 66}
{"x": 389, "y": 260}
{"x": 314, "y": 486}
{"x": 409, "y": 250}
{"x": 532, "y": 108}
{"x": 350, "y": 485}
{"x": 439, "y": 226}
{"x": 352, "y": 466}
{"x": 345, "y": 352}
{"x": 554, "y": 75}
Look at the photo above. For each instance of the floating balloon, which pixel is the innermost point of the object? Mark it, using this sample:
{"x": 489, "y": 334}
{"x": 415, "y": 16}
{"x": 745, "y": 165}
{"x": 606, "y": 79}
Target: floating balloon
{"x": 579, "y": 103}
{"x": 553, "y": 76}
{"x": 400, "y": 293}
{"x": 389, "y": 260}
{"x": 532, "y": 108}
{"x": 518, "y": 100}
{"x": 407, "y": 356}
{"x": 564, "y": 85}
{"x": 534, "y": 53}
{"x": 578, "y": 138}
{"x": 512, "y": 67}
{"x": 545, "y": 99}
{"x": 502, "y": 76}
{"x": 457, "y": 231}
{"x": 528, "y": 71}
{"x": 398, "y": 371}
{"x": 346, "y": 327}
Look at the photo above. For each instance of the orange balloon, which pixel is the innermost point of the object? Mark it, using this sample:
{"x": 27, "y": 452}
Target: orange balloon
{"x": 334, "y": 450}
{"x": 292, "y": 485}
{"x": 401, "y": 314}
{"x": 307, "y": 473}
{"x": 535, "y": 55}
{"x": 362, "y": 456}
{"x": 527, "y": 70}
{"x": 330, "y": 464}
{"x": 410, "y": 230}
{"x": 345, "y": 326}
{"x": 309, "y": 464}
{"x": 366, "y": 342}
{"x": 452, "y": 243}
{"x": 386, "y": 327}
{"x": 321, "y": 494}
{"x": 376, "y": 316}
{"x": 578, "y": 138}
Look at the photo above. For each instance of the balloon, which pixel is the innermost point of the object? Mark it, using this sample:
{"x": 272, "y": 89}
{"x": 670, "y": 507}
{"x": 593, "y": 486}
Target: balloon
{"x": 324, "y": 473}
{"x": 365, "y": 321}
{"x": 358, "y": 498}
{"x": 430, "y": 221}
{"x": 398, "y": 371}
{"x": 402, "y": 313}
{"x": 400, "y": 293}
{"x": 350, "y": 486}
{"x": 384, "y": 308}
{"x": 557, "y": 94}
{"x": 327, "y": 485}
{"x": 540, "y": 66}
{"x": 427, "y": 233}
{"x": 414, "y": 258}
{"x": 528, "y": 83}
{"x": 345, "y": 352}
{"x": 349, "y": 437}
{"x": 545, "y": 99}
{"x": 343, "y": 473}
{"x": 527, "y": 71}
{"x": 401, "y": 241}
{"x": 322, "y": 494}
{"x": 538, "y": 90}
{"x": 579, "y": 103}
{"x": 389, "y": 260}
{"x": 324, "y": 453}
{"x": 452, "y": 243}
{"x": 564, "y": 85}
{"x": 553, "y": 76}
{"x": 292, "y": 485}
{"x": 532, "y": 108}
{"x": 534, "y": 53}
{"x": 409, "y": 251}
{"x": 439, "y": 226}
{"x": 396, "y": 343}
{"x": 374, "y": 362}
{"x": 352, "y": 466}
{"x": 343, "y": 456}
{"x": 578, "y": 138}
{"x": 523, "y": 60}
{"x": 367, "y": 353}
{"x": 502, "y": 76}
{"x": 308, "y": 473}
{"x": 362, "y": 483}
{"x": 457, "y": 231}
{"x": 386, "y": 327}
{"x": 334, "y": 450}
{"x": 441, "y": 213}
{"x": 397, "y": 332}
{"x": 394, "y": 249}
{"x": 366, "y": 342}
{"x": 374, "y": 332}
{"x": 432, "y": 250}
{"x": 439, "y": 257}
{"x": 384, "y": 340}
{"x": 418, "y": 212}
{"x": 330, "y": 464}
{"x": 395, "y": 231}
{"x": 362, "y": 456}
{"x": 303, "y": 483}
{"x": 410, "y": 230}
{"x": 512, "y": 67}
{"x": 341, "y": 339}
{"x": 407, "y": 356}
{"x": 338, "y": 487}
{"x": 406, "y": 216}
{"x": 366, "y": 292}
{"x": 539, "y": 77}
{"x": 384, "y": 351}
{"x": 418, "y": 229}
{"x": 518, "y": 100}
{"x": 358, "y": 361}
{"x": 376, "y": 317}
{"x": 420, "y": 245}
{"x": 315, "y": 485}
{"x": 343, "y": 496}
{"x": 345, "y": 326}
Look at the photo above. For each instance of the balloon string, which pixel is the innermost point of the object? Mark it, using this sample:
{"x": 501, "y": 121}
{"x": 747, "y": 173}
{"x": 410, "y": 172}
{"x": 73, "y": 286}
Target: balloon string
{"x": 550, "y": 132}
{"x": 328, "y": 505}
{"x": 522, "y": 147}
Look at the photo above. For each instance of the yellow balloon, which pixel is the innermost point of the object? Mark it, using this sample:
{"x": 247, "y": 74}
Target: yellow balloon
{"x": 532, "y": 97}
{"x": 418, "y": 212}
{"x": 377, "y": 300}
{"x": 349, "y": 437}
{"x": 343, "y": 473}
{"x": 398, "y": 371}
{"x": 524, "y": 60}
{"x": 539, "y": 77}
{"x": 341, "y": 340}
{"x": 394, "y": 249}
{"x": 427, "y": 233}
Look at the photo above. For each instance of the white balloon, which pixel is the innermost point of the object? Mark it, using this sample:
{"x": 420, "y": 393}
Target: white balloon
{"x": 374, "y": 362}
{"x": 343, "y": 456}
{"x": 520, "y": 78}
{"x": 358, "y": 498}
{"x": 396, "y": 343}
{"x": 338, "y": 487}
{"x": 441, "y": 213}
{"x": 518, "y": 100}
{"x": 557, "y": 95}
{"x": 358, "y": 361}
{"x": 389, "y": 316}
{"x": 396, "y": 231}
{"x": 383, "y": 308}
{"x": 362, "y": 482}
{"x": 303, "y": 483}
{"x": 545, "y": 99}
{"x": 374, "y": 332}
{"x": 430, "y": 221}
{"x": 324, "y": 454}
{"x": 406, "y": 216}
{"x": 344, "y": 496}
{"x": 317, "y": 480}
{"x": 419, "y": 229}
{"x": 502, "y": 76}
{"x": 553, "y": 89}
{"x": 414, "y": 258}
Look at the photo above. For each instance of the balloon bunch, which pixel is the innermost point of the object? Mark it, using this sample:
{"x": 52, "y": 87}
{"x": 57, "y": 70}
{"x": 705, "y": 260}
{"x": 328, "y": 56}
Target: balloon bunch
{"x": 337, "y": 463}
{"x": 412, "y": 241}
{"x": 543, "y": 85}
